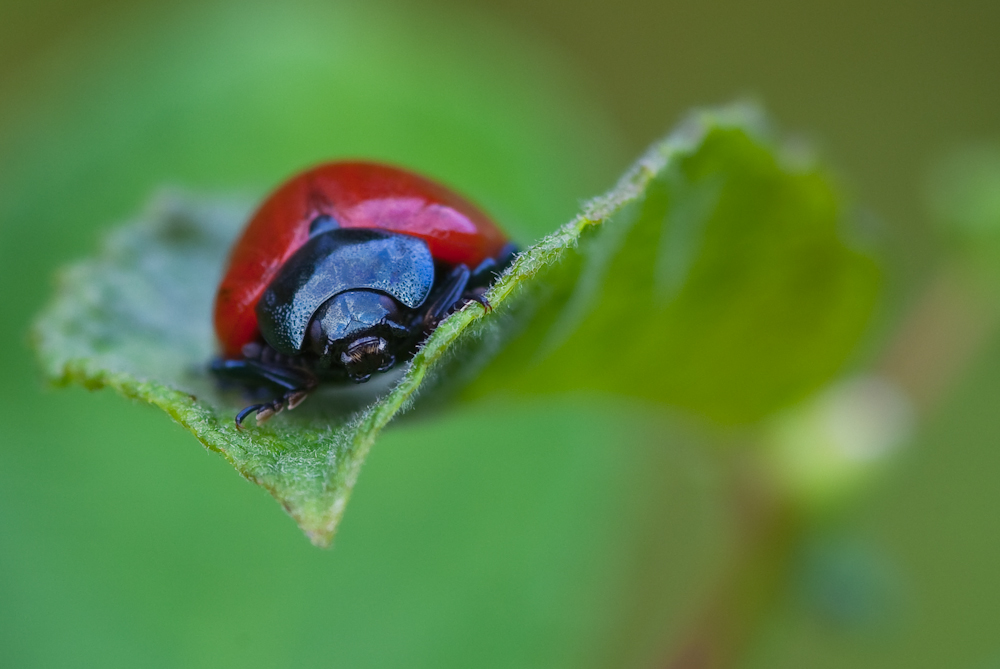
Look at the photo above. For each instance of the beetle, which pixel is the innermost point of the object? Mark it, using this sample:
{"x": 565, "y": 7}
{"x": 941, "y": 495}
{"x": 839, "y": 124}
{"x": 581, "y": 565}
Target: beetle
{"x": 341, "y": 273}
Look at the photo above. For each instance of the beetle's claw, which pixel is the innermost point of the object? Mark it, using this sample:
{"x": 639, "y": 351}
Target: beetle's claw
{"x": 480, "y": 297}
{"x": 246, "y": 412}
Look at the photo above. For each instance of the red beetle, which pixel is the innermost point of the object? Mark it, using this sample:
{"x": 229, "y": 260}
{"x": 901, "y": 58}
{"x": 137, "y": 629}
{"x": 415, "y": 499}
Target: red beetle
{"x": 340, "y": 274}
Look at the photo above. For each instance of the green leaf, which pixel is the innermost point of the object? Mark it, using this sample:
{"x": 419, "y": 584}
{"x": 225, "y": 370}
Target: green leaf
{"x": 715, "y": 278}
{"x": 711, "y": 277}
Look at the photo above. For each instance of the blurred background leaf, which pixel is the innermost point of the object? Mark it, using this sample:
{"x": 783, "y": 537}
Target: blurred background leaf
{"x": 963, "y": 193}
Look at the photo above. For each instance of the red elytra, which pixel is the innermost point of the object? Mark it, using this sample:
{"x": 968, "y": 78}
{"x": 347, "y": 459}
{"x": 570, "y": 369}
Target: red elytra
{"x": 356, "y": 195}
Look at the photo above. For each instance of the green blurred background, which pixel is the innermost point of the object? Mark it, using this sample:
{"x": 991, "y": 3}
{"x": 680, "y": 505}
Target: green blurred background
{"x": 582, "y": 531}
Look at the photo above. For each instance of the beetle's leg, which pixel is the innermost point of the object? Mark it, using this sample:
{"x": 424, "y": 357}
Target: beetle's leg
{"x": 446, "y": 296}
{"x": 289, "y": 399}
{"x": 485, "y": 274}
{"x": 246, "y": 411}
{"x": 479, "y": 282}
{"x": 491, "y": 268}
{"x": 249, "y": 372}
{"x": 463, "y": 286}
{"x": 296, "y": 384}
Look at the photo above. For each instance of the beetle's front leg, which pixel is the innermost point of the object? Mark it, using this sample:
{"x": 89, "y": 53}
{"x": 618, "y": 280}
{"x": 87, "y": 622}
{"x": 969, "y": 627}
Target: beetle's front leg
{"x": 448, "y": 293}
{"x": 462, "y": 286}
{"x": 288, "y": 385}
{"x": 481, "y": 278}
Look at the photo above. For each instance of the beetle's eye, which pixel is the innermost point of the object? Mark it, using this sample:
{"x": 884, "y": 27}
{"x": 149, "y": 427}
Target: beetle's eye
{"x": 322, "y": 224}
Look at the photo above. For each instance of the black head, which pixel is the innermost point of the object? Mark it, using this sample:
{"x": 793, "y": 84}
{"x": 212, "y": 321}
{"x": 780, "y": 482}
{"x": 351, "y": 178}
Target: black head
{"x": 361, "y": 330}
{"x": 347, "y": 299}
